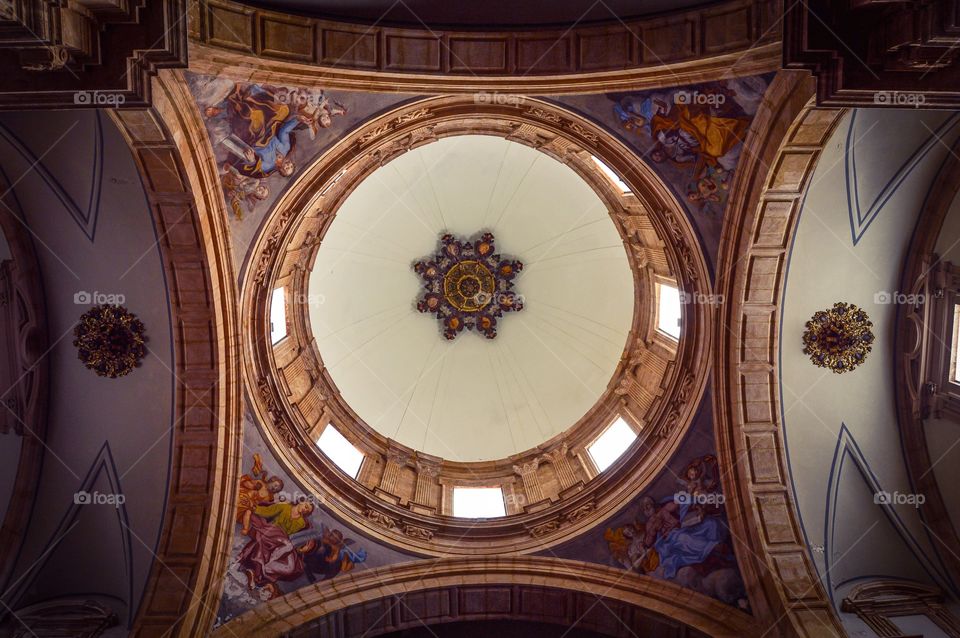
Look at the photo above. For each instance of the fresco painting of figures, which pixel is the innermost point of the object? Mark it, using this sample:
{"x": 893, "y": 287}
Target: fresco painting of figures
{"x": 256, "y": 131}
{"x": 682, "y": 536}
{"x": 284, "y": 543}
{"x": 284, "y": 538}
{"x": 694, "y": 134}
{"x": 676, "y": 529}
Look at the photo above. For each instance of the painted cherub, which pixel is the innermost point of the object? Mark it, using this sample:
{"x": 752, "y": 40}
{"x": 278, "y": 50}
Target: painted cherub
{"x": 698, "y": 478}
{"x": 320, "y": 115}
{"x": 242, "y": 190}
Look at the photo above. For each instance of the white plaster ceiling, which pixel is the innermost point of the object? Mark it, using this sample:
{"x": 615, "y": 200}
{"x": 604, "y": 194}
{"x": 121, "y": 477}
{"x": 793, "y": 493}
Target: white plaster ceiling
{"x": 842, "y": 435}
{"x": 472, "y": 399}
{"x": 82, "y": 202}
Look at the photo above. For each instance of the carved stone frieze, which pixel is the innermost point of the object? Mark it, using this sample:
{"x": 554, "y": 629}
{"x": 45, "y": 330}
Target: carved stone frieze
{"x": 415, "y": 531}
{"x": 380, "y": 518}
{"x": 579, "y": 512}
{"x": 276, "y": 413}
{"x": 543, "y": 529}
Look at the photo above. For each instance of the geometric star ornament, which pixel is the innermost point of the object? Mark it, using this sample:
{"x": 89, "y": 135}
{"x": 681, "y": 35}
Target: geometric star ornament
{"x": 468, "y": 285}
{"x": 838, "y": 338}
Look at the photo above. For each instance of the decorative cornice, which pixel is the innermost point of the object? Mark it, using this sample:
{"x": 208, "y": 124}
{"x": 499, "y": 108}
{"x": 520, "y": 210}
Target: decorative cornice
{"x": 733, "y": 37}
{"x": 877, "y": 54}
{"x": 88, "y": 54}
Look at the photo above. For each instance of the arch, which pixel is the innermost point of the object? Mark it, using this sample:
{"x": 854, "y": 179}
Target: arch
{"x": 25, "y": 331}
{"x": 778, "y": 159}
{"x": 916, "y": 366}
{"x": 183, "y": 192}
{"x": 700, "y": 612}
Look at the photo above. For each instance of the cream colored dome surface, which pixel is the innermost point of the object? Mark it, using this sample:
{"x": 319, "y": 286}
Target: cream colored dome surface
{"x": 472, "y": 398}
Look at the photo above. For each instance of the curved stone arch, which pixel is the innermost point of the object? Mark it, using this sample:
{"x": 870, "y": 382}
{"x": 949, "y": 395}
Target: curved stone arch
{"x": 684, "y": 47}
{"x": 777, "y": 162}
{"x": 287, "y": 243}
{"x": 307, "y": 604}
{"x": 914, "y": 361}
{"x": 169, "y": 146}
{"x": 21, "y": 299}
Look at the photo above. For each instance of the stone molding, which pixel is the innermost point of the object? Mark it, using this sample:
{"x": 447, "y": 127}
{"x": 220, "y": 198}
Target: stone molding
{"x": 673, "y": 48}
{"x": 275, "y": 617}
{"x": 170, "y": 148}
{"x": 777, "y": 162}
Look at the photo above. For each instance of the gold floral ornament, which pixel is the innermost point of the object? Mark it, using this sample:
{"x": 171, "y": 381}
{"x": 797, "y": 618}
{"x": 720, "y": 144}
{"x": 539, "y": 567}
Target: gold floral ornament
{"x": 838, "y": 338}
{"x": 109, "y": 340}
{"x": 468, "y": 285}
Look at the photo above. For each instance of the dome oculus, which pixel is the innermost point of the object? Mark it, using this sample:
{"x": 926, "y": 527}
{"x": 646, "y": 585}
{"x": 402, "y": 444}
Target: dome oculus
{"x": 468, "y": 285}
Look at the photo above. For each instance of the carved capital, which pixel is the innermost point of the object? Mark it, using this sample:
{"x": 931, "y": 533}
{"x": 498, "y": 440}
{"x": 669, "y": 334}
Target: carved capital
{"x": 527, "y": 468}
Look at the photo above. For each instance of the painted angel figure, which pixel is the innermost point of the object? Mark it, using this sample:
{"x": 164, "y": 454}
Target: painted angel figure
{"x": 330, "y": 554}
{"x": 271, "y": 556}
{"x": 242, "y": 191}
{"x": 318, "y": 113}
{"x": 255, "y": 489}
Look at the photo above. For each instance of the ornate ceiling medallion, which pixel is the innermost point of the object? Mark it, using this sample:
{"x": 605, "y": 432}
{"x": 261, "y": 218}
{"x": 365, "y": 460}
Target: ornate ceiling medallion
{"x": 468, "y": 285}
{"x": 109, "y": 340}
{"x": 838, "y": 338}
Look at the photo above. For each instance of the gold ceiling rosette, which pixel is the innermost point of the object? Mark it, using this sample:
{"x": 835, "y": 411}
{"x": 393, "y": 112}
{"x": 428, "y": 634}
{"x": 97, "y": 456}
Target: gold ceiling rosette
{"x": 468, "y": 285}
{"x": 110, "y": 340}
{"x": 839, "y": 338}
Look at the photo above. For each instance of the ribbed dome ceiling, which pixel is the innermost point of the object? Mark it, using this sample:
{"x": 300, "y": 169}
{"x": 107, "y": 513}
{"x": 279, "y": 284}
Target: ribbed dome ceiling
{"x": 472, "y": 398}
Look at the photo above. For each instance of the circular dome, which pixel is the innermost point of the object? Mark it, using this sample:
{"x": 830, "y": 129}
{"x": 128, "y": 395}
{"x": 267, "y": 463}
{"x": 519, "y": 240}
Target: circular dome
{"x": 360, "y": 255}
{"x": 472, "y": 398}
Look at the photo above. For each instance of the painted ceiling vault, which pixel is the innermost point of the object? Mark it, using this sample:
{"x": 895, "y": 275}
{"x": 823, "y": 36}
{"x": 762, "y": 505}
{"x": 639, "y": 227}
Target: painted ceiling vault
{"x": 472, "y": 399}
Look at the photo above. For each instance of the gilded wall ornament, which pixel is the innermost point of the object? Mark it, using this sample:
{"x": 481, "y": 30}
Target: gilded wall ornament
{"x": 468, "y": 285}
{"x": 109, "y": 340}
{"x": 838, "y": 338}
